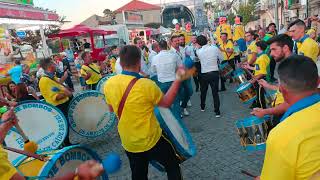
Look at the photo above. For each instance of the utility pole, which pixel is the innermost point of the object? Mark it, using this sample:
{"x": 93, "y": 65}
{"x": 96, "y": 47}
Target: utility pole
{"x": 276, "y": 15}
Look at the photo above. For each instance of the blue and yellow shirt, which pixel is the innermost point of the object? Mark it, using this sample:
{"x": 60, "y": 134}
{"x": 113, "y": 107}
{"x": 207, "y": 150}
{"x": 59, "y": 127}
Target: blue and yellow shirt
{"x": 238, "y": 32}
{"x": 94, "y": 69}
{"x": 47, "y": 85}
{"x": 226, "y": 46}
{"x": 261, "y": 64}
{"x": 251, "y": 49}
{"x": 6, "y": 168}
{"x": 308, "y": 47}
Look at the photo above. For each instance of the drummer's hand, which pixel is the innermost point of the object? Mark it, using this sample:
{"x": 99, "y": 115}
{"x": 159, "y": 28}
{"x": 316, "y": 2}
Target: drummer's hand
{"x": 9, "y": 118}
{"x": 257, "y": 178}
{"x": 89, "y": 170}
{"x": 263, "y": 82}
{"x": 12, "y": 103}
{"x": 252, "y": 81}
{"x": 67, "y": 92}
{"x": 182, "y": 74}
{"x": 259, "y": 112}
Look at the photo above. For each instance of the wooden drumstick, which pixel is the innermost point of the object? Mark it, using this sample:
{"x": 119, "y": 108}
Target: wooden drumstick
{"x": 29, "y": 146}
{"x": 248, "y": 174}
{"x": 36, "y": 156}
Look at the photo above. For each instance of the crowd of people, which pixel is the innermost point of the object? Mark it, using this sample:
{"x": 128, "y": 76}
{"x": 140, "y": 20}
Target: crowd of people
{"x": 161, "y": 75}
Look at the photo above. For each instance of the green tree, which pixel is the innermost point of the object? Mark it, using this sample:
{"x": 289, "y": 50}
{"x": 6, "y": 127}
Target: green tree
{"x": 247, "y": 11}
{"x": 231, "y": 17}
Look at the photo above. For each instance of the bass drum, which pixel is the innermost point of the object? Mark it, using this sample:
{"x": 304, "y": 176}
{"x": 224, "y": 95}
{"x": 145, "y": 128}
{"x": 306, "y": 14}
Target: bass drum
{"x": 102, "y": 82}
{"x": 58, "y": 163}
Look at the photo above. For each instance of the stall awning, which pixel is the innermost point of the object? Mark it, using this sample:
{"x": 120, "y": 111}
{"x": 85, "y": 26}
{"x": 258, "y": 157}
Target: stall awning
{"x": 79, "y": 30}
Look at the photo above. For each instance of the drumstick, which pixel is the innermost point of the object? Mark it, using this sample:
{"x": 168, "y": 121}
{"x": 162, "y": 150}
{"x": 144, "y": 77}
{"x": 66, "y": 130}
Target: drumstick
{"x": 29, "y": 146}
{"x": 248, "y": 174}
{"x": 36, "y": 156}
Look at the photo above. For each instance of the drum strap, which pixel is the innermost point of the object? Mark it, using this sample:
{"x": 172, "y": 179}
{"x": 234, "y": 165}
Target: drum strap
{"x": 125, "y": 95}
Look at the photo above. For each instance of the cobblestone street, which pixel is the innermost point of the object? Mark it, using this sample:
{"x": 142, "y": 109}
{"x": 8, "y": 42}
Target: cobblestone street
{"x": 219, "y": 154}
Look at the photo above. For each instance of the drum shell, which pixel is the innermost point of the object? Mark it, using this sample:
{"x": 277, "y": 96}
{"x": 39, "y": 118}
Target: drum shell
{"x": 37, "y": 169}
{"x": 246, "y": 93}
{"x": 225, "y": 70}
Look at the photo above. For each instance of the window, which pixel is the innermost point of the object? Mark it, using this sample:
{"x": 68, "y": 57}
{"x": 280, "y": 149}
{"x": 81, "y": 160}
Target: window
{"x": 98, "y": 41}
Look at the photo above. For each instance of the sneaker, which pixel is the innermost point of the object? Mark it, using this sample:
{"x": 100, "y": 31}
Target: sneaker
{"x": 218, "y": 114}
{"x": 185, "y": 112}
{"x": 189, "y": 103}
{"x": 202, "y": 110}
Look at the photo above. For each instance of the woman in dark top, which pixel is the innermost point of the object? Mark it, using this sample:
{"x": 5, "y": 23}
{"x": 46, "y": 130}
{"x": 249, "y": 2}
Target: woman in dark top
{"x": 22, "y": 93}
{"x": 11, "y": 93}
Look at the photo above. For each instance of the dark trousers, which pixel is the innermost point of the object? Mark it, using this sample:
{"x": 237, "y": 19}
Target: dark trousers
{"x": 196, "y": 77}
{"x": 93, "y": 86}
{"x": 223, "y": 79}
{"x": 212, "y": 79}
{"x": 64, "y": 109}
{"x": 272, "y": 67}
{"x": 162, "y": 152}
{"x": 68, "y": 81}
{"x": 237, "y": 59}
{"x": 186, "y": 92}
{"x": 261, "y": 100}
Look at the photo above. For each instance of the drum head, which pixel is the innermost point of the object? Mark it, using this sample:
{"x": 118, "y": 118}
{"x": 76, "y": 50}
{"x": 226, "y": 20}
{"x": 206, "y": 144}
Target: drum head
{"x": 177, "y": 132}
{"x": 42, "y": 123}
{"x": 101, "y": 83}
{"x": 89, "y": 114}
{"x": 61, "y": 162}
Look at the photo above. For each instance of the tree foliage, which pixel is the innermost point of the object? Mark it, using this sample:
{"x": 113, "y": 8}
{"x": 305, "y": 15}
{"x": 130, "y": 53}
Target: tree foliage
{"x": 247, "y": 10}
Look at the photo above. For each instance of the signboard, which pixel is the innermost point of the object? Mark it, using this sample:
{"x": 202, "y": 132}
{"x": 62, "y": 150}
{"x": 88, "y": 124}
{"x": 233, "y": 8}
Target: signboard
{"x": 25, "y": 2}
{"x": 21, "y": 34}
{"x": 132, "y": 17}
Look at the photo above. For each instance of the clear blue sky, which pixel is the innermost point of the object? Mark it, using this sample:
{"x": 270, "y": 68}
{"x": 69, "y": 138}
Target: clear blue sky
{"x": 78, "y": 10}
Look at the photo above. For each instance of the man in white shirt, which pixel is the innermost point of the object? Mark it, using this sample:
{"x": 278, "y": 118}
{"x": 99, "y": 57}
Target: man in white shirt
{"x": 144, "y": 67}
{"x": 165, "y": 65}
{"x": 155, "y": 49}
{"x": 176, "y": 49}
{"x": 209, "y": 57}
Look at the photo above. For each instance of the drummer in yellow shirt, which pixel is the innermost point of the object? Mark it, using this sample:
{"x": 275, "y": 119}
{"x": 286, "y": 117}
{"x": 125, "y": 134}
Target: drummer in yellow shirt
{"x": 87, "y": 170}
{"x": 139, "y": 130}
{"x": 251, "y": 48}
{"x": 90, "y": 71}
{"x": 304, "y": 44}
{"x": 227, "y": 50}
{"x": 260, "y": 72}
{"x": 293, "y": 147}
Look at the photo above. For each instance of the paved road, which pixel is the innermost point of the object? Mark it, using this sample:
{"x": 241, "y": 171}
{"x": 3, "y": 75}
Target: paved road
{"x": 219, "y": 154}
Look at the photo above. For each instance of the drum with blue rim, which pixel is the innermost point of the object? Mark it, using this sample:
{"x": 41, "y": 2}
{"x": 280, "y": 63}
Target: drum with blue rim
{"x": 89, "y": 115}
{"x": 246, "y": 93}
{"x": 176, "y": 134}
{"x": 102, "y": 81}
{"x": 270, "y": 96}
{"x": 253, "y": 132}
{"x": 57, "y": 164}
{"x": 42, "y": 123}
{"x": 239, "y": 76}
{"x": 225, "y": 70}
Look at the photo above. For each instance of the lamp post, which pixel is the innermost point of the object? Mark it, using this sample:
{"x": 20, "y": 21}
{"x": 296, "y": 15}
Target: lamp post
{"x": 276, "y": 15}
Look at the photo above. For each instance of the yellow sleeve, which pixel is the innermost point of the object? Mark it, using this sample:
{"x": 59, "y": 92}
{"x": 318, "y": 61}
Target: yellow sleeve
{"x": 261, "y": 65}
{"x": 83, "y": 71}
{"x": 155, "y": 92}
{"x": 254, "y": 48}
{"x": 6, "y": 168}
{"x": 46, "y": 85}
{"x": 230, "y": 45}
{"x": 279, "y": 98}
{"x": 276, "y": 165}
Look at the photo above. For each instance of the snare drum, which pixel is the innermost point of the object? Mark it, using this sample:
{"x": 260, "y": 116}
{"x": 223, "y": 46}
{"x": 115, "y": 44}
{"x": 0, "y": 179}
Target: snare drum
{"x": 239, "y": 76}
{"x": 58, "y": 163}
{"x": 89, "y": 114}
{"x": 253, "y": 132}
{"x": 42, "y": 123}
{"x": 270, "y": 96}
{"x": 225, "y": 70}
{"x": 246, "y": 93}
{"x": 177, "y": 133}
{"x": 102, "y": 81}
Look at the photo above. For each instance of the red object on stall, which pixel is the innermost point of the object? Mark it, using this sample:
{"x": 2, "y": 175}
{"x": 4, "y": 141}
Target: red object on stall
{"x": 79, "y": 30}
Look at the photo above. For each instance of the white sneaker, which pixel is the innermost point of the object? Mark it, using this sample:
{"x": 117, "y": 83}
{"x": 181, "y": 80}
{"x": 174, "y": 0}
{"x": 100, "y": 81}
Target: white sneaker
{"x": 202, "y": 110}
{"x": 185, "y": 112}
{"x": 189, "y": 103}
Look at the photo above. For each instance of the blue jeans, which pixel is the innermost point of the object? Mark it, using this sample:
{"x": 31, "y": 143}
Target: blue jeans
{"x": 186, "y": 92}
{"x": 175, "y": 107}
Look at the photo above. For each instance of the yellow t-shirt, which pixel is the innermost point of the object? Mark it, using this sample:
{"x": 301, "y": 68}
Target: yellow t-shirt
{"x": 279, "y": 99}
{"x": 113, "y": 64}
{"x": 252, "y": 48}
{"x": 188, "y": 36}
{"x": 261, "y": 65}
{"x": 138, "y": 128}
{"x": 293, "y": 147}
{"x": 309, "y": 48}
{"x": 95, "y": 76}
{"x": 238, "y": 32}
{"x": 46, "y": 86}
{"x": 6, "y": 168}
{"x": 226, "y": 46}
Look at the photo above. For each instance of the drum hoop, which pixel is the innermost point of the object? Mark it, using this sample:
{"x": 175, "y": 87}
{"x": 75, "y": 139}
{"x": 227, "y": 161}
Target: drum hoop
{"x": 70, "y": 117}
{"x": 243, "y": 84}
{"x": 181, "y": 150}
{"x": 48, "y": 165}
{"x": 103, "y": 80}
{"x": 53, "y": 107}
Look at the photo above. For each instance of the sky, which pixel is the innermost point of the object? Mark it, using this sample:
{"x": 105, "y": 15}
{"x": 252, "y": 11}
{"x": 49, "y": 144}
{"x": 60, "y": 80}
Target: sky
{"x": 79, "y": 10}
